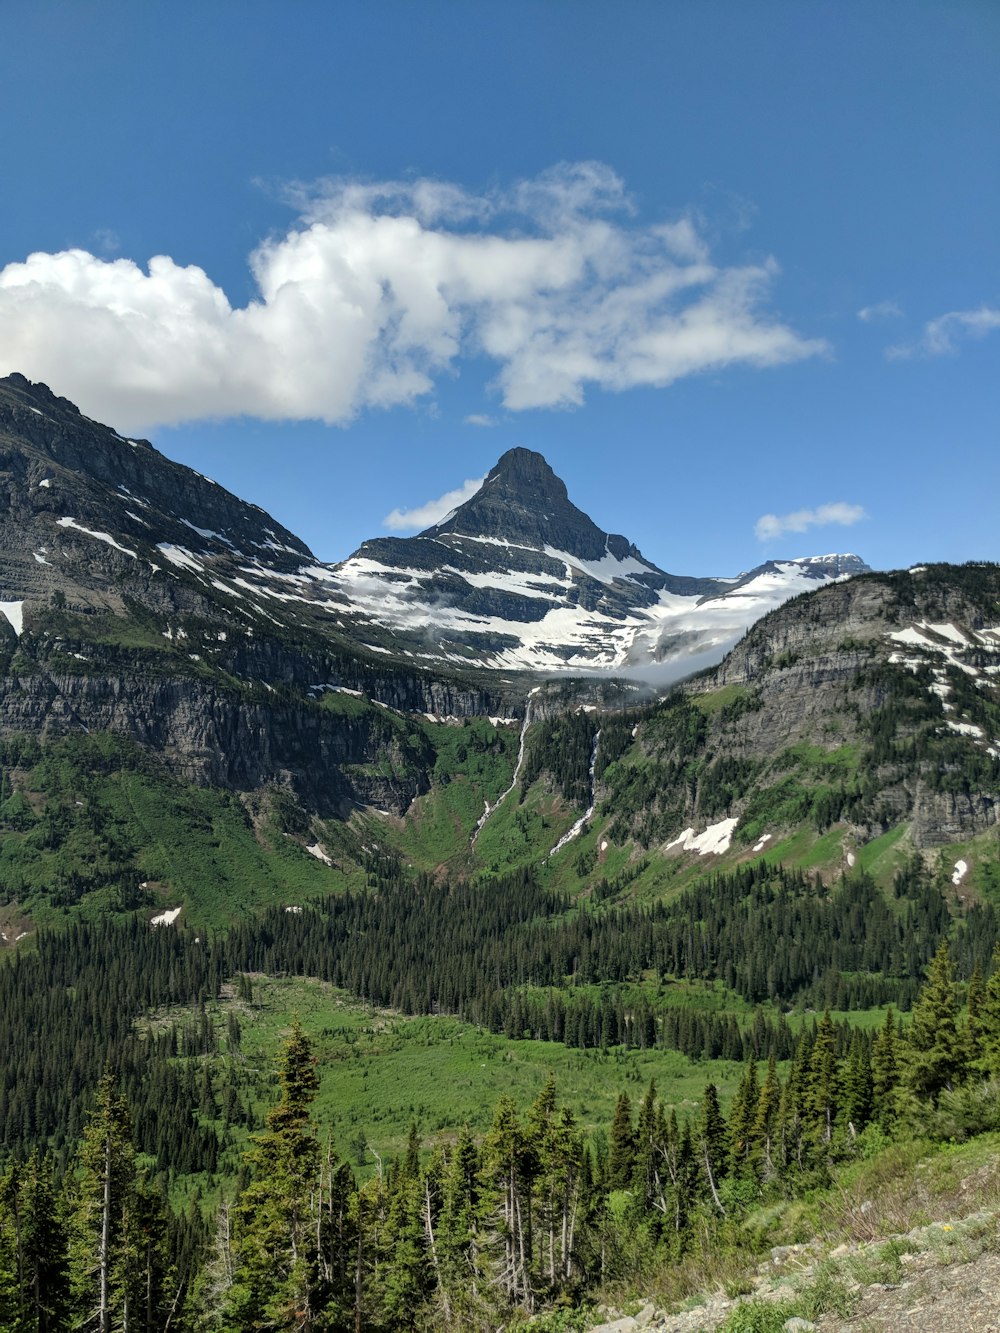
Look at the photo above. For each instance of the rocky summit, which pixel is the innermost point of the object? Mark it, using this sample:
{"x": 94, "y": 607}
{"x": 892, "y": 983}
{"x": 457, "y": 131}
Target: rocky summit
{"x": 519, "y": 577}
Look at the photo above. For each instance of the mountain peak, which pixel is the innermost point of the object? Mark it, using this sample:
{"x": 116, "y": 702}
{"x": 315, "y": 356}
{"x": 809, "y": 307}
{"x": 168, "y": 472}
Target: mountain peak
{"x": 523, "y": 470}
{"x": 523, "y": 503}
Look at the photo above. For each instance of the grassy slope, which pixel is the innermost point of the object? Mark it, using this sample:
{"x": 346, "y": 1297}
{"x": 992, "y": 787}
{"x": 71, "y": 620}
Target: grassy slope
{"x": 95, "y": 821}
{"x": 380, "y": 1072}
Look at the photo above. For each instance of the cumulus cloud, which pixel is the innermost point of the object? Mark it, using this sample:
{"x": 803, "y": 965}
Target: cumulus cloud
{"x": 379, "y": 289}
{"x": 941, "y": 336}
{"x": 429, "y": 514}
{"x": 479, "y": 419}
{"x": 769, "y": 526}
{"x": 881, "y": 310}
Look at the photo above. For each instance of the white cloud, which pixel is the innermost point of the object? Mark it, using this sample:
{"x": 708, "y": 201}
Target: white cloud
{"x": 379, "y": 289}
{"x": 881, "y": 310}
{"x": 942, "y": 335}
{"x": 769, "y": 526}
{"x": 429, "y": 514}
{"x": 479, "y": 419}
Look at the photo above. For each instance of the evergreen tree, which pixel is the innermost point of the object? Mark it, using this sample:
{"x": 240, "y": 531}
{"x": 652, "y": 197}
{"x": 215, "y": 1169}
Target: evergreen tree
{"x": 274, "y": 1224}
{"x": 621, "y": 1155}
{"x": 713, "y": 1142}
{"x": 45, "y": 1264}
{"x": 505, "y": 1200}
{"x": 885, "y": 1073}
{"x": 975, "y": 1003}
{"x": 822, "y": 1090}
{"x": 935, "y": 1055}
{"x": 857, "y": 1087}
{"x": 458, "y": 1233}
{"x": 765, "y": 1123}
{"x": 106, "y": 1278}
{"x": 741, "y": 1121}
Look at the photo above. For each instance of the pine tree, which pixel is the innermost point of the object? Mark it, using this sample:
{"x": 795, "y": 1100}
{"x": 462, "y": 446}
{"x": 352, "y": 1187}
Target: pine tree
{"x": 458, "y": 1233}
{"x": 505, "y": 1199}
{"x": 274, "y": 1241}
{"x": 713, "y": 1143}
{"x": 741, "y": 1121}
{"x": 406, "y": 1277}
{"x": 885, "y": 1073}
{"x": 935, "y": 1055}
{"x": 857, "y": 1087}
{"x": 106, "y": 1281}
{"x": 822, "y": 1087}
{"x": 975, "y": 1003}
{"x": 621, "y": 1156}
{"x": 765, "y": 1122}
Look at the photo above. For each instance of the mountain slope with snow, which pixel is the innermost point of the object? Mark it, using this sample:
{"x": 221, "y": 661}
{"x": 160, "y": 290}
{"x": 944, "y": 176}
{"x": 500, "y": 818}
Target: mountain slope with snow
{"x": 519, "y": 578}
{"x": 516, "y": 578}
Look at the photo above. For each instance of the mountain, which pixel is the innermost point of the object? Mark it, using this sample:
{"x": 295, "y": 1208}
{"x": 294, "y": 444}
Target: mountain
{"x": 190, "y": 700}
{"x": 516, "y": 578}
{"x": 519, "y": 578}
{"x": 141, "y": 598}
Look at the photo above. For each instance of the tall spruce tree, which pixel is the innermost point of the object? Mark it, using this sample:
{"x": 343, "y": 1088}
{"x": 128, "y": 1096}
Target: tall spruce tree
{"x": 275, "y": 1228}
{"x": 935, "y": 1048}
{"x": 885, "y": 1073}
{"x": 106, "y": 1279}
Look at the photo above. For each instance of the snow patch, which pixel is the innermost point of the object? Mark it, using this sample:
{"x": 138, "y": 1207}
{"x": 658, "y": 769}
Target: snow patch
{"x": 14, "y": 611}
{"x": 105, "y": 537}
{"x": 181, "y": 557}
{"x": 965, "y": 728}
{"x": 207, "y": 533}
{"x": 959, "y": 873}
{"x": 759, "y": 844}
{"x": 715, "y": 840}
{"x": 317, "y": 851}
{"x": 166, "y": 918}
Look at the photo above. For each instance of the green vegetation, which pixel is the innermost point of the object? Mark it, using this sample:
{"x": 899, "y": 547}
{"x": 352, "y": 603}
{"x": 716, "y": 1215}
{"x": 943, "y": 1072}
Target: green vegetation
{"x": 93, "y": 824}
{"x": 532, "y": 1215}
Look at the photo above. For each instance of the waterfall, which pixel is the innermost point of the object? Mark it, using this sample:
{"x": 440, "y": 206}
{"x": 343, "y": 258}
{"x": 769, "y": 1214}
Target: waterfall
{"x": 489, "y": 810}
{"x": 577, "y": 827}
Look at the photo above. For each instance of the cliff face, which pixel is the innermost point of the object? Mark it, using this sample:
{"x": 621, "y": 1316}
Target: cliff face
{"x": 905, "y": 668}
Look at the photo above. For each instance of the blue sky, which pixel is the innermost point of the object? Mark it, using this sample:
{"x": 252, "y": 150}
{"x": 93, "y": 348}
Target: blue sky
{"x": 732, "y": 268}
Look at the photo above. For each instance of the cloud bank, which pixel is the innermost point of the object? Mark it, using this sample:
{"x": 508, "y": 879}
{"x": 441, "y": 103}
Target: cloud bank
{"x": 941, "y": 336}
{"x": 378, "y": 290}
{"x": 431, "y": 513}
{"x": 769, "y": 526}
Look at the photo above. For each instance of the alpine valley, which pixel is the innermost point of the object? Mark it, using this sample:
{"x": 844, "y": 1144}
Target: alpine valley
{"x": 502, "y": 810}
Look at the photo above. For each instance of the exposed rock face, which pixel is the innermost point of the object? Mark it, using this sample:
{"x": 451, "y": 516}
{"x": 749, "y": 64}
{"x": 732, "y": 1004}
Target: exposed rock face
{"x": 926, "y": 646}
{"x": 523, "y": 503}
{"x": 519, "y": 577}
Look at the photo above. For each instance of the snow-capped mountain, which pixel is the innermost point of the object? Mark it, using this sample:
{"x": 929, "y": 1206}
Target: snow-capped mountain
{"x": 517, "y": 577}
